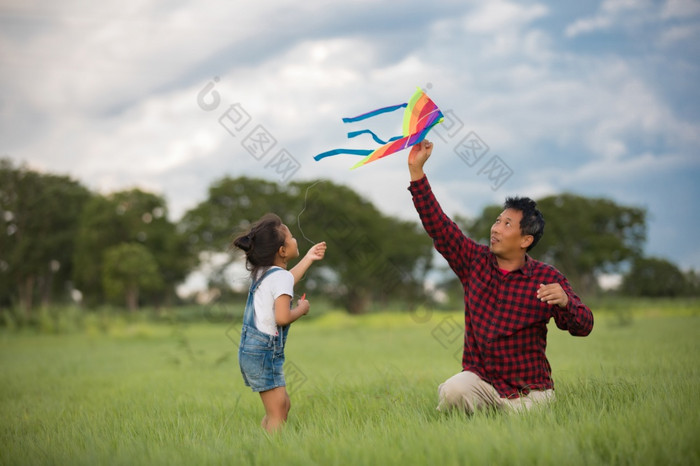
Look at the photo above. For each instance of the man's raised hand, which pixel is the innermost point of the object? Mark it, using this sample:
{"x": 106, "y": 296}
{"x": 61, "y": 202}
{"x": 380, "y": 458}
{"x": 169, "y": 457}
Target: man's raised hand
{"x": 419, "y": 154}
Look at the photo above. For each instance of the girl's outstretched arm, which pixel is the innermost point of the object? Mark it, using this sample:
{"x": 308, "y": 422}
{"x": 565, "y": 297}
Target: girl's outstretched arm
{"x": 315, "y": 253}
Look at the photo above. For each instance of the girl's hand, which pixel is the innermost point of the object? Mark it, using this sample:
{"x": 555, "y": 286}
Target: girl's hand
{"x": 303, "y": 305}
{"x": 317, "y": 251}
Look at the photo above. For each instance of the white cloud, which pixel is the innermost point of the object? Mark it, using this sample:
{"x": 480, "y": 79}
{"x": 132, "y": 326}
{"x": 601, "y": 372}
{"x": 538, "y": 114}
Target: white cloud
{"x": 680, "y": 9}
{"x": 623, "y": 6}
{"x": 587, "y": 25}
{"x": 650, "y": 18}
{"x": 502, "y": 29}
{"x": 630, "y": 168}
{"x": 98, "y": 56}
{"x": 689, "y": 33}
{"x": 108, "y": 93}
{"x": 496, "y": 17}
{"x": 611, "y": 13}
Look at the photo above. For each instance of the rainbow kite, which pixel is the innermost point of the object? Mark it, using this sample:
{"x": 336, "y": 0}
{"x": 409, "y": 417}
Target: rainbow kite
{"x": 420, "y": 116}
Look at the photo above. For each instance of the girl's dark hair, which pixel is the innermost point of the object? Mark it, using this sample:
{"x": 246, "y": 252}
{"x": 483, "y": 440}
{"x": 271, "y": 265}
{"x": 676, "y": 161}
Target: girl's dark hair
{"x": 261, "y": 243}
{"x": 532, "y": 222}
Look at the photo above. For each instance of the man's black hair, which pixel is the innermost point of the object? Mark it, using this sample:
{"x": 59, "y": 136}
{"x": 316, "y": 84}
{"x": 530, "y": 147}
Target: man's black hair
{"x": 532, "y": 222}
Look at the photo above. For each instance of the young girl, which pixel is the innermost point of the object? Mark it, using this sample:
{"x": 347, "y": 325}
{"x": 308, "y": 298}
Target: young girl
{"x": 268, "y": 247}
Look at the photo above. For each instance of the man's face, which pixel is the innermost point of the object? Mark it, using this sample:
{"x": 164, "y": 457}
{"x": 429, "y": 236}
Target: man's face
{"x": 506, "y": 239}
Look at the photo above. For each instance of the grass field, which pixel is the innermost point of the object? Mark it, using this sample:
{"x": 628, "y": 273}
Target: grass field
{"x": 363, "y": 391}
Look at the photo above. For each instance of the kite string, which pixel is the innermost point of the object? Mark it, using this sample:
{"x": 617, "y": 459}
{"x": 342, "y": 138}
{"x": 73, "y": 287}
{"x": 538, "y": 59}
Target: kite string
{"x": 306, "y": 195}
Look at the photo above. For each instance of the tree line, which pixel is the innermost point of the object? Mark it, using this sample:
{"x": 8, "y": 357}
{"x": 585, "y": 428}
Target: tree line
{"x": 59, "y": 241}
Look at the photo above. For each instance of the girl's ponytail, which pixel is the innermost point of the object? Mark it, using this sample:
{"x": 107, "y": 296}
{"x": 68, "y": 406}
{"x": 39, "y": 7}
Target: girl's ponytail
{"x": 261, "y": 243}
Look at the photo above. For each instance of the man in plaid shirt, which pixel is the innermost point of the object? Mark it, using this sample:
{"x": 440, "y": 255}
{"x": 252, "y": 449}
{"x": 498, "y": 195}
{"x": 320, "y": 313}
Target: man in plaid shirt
{"x": 508, "y": 300}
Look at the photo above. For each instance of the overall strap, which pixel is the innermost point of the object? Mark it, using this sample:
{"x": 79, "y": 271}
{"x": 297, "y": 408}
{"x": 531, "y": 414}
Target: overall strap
{"x": 256, "y": 283}
{"x": 249, "y": 314}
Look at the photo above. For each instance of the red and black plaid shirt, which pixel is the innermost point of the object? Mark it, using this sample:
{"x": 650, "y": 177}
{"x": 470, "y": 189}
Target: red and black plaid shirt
{"x": 505, "y": 325}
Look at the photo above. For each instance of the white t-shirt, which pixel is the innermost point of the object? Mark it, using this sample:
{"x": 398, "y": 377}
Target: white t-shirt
{"x": 272, "y": 287}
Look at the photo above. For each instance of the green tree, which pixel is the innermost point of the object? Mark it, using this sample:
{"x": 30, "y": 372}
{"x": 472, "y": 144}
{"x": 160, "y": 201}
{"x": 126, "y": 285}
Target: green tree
{"x": 128, "y": 269}
{"x": 654, "y": 277}
{"x": 692, "y": 280}
{"x": 583, "y": 236}
{"x": 99, "y": 228}
{"x": 371, "y": 257}
{"x": 231, "y": 205}
{"x": 38, "y": 218}
{"x": 131, "y": 216}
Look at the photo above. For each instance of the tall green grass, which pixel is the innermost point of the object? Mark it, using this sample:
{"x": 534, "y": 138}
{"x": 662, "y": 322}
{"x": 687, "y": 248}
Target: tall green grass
{"x": 363, "y": 391}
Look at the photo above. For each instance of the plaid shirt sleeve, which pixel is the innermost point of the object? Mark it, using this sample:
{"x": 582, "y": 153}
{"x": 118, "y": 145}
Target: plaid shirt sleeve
{"x": 576, "y": 317}
{"x": 505, "y": 333}
{"x": 457, "y": 249}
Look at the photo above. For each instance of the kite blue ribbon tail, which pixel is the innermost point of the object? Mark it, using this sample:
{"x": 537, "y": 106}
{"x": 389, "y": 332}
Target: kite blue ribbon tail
{"x": 374, "y": 136}
{"x": 379, "y": 111}
{"x": 331, "y": 153}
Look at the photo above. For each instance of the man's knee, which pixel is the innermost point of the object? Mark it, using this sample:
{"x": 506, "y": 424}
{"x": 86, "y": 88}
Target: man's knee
{"x": 460, "y": 391}
{"x": 450, "y": 395}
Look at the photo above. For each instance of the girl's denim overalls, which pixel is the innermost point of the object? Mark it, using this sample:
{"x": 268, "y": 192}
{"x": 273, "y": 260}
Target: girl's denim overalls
{"x": 260, "y": 355}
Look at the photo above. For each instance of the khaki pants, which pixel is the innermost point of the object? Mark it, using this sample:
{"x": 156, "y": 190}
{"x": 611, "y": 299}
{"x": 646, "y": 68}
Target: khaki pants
{"x": 469, "y": 392}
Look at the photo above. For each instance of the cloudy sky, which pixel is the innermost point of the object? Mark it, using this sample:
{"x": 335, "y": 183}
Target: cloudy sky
{"x": 599, "y": 98}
